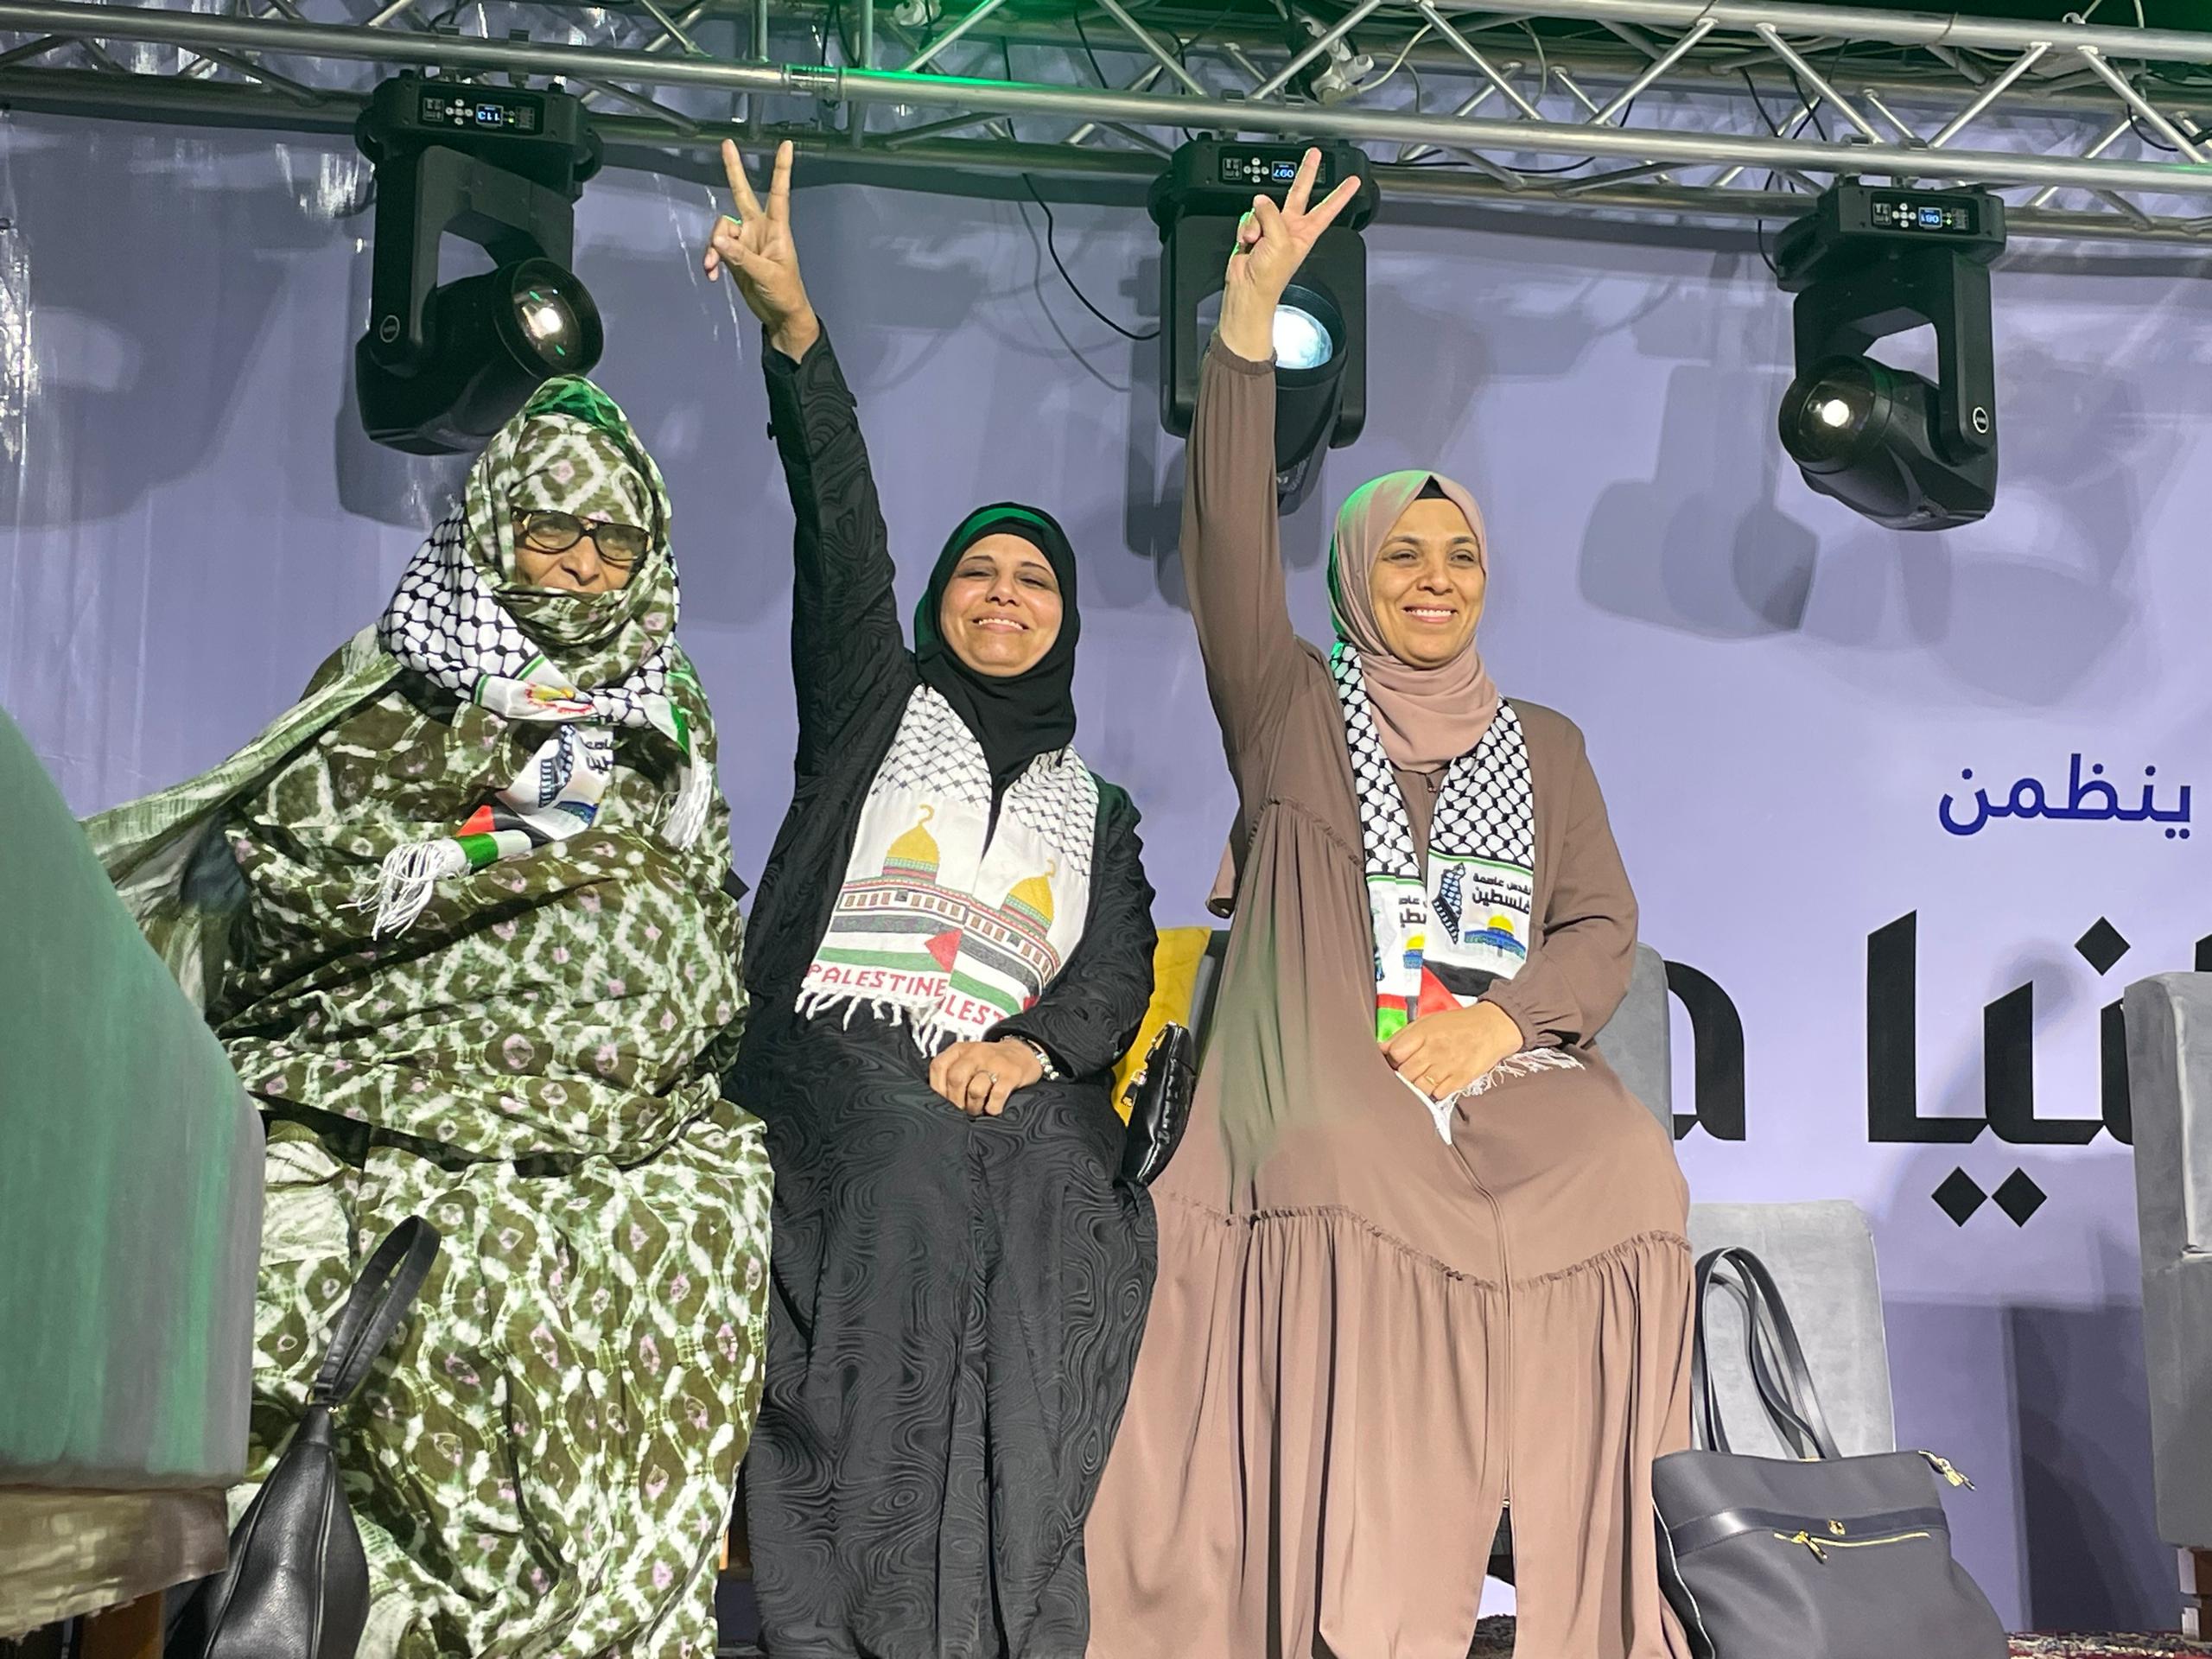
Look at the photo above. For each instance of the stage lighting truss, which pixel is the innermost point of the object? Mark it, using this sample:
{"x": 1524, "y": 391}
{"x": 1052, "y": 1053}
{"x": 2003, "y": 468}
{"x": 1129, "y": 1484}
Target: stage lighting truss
{"x": 1703, "y": 110}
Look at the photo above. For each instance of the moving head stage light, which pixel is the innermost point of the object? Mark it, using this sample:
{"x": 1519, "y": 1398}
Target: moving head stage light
{"x": 1868, "y": 263}
{"x": 441, "y": 369}
{"x": 1320, "y": 332}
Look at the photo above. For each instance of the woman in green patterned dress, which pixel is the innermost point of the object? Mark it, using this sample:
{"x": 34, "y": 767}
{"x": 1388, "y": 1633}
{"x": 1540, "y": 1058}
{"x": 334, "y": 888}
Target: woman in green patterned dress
{"x": 464, "y": 920}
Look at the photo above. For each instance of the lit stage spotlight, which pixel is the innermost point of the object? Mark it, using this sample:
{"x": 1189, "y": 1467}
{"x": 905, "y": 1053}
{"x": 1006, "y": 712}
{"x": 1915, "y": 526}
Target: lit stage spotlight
{"x": 1320, "y": 327}
{"x": 441, "y": 369}
{"x": 1302, "y": 339}
{"x": 1313, "y": 348}
{"x": 1866, "y": 263}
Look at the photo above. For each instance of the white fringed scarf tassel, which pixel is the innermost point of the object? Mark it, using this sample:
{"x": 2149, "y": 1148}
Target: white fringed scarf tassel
{"x": 944, "y": 924}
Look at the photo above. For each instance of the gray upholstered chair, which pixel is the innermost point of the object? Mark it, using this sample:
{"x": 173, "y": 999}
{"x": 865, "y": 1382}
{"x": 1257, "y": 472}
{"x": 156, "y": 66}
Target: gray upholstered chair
{"x": 2169, "y": 1082}
{"x": 1821, "y": 1253}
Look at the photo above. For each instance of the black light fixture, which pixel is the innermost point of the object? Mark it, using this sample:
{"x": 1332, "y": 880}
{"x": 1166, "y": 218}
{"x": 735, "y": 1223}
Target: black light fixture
{"x": 441, "y": 369}
{"x": 1320, "y": 327}
{"x": 1868, "y": 262}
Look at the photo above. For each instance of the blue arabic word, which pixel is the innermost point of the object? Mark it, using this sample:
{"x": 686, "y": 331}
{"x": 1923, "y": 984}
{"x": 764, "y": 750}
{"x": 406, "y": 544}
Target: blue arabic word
{"x": 2090, "y": 799}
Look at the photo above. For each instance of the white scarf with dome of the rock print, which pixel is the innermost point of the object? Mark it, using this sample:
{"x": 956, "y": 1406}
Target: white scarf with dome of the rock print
{"x": 1440, "y": 941}
{"x": 944, "y": 923}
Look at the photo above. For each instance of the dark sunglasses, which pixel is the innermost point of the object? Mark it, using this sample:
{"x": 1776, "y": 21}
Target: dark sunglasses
{"x": 548, "y": 532}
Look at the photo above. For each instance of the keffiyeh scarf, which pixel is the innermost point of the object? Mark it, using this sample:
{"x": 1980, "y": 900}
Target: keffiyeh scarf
{"x": 463, "y": 619}
{"x": 945, "y": 923}
{"x": 1441, "y": 941}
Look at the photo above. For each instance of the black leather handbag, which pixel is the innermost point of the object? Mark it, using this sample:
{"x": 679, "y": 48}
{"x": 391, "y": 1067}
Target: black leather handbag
{"x": 296, "y": 1585}
{"x": 1825, "y": 1557}
{"x": 1160, "y": 1104}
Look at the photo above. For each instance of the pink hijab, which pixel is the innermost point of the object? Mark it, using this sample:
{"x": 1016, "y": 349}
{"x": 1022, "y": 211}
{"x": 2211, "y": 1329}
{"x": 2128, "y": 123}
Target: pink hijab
{"x": 1426, "y": 717}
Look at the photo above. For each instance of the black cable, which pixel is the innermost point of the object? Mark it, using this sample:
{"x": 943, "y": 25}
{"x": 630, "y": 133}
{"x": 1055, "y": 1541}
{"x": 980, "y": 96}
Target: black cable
{"x": 1766, "y": 120}
{"x": 1083, "y": 34}
{"x": 1759, "y": 104}
{"x": 1052, "y": 246}
{"x": 1211, "y": 24}
{"x": 1543, "y": 85}
{"x": 1572, "y": 167}
{"x": 834, "y": 24}
{"x": 1813, "y": 105}
{"x": 2149, "y": 137}
{"x": 1181, "y": 45}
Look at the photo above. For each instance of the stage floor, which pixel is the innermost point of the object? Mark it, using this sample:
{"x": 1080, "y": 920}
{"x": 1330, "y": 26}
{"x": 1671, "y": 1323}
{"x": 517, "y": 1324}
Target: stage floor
{"x": 1494, "y": 1637}
{"x": 1494, "y": 1640}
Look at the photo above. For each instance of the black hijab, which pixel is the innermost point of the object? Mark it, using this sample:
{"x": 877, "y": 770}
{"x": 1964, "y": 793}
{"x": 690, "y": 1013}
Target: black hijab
{"x": 1023, "y": 715}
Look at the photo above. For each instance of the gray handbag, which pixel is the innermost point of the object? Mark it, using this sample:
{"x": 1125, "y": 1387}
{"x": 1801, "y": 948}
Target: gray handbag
{"x": 1827, "y": 1557}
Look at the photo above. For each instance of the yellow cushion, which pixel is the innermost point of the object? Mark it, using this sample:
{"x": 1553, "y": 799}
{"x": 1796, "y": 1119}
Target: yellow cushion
{"x": 1174, "y": 982}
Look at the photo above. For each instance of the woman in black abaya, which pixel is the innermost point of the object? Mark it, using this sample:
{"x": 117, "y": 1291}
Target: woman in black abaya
{"x": 951, "y": 947}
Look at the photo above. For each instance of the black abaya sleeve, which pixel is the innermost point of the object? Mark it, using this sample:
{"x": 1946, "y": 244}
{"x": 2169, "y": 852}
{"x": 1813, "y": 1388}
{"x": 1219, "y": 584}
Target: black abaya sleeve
{"x": 845, "y": 633}
{"x": 1089, "y": 1015}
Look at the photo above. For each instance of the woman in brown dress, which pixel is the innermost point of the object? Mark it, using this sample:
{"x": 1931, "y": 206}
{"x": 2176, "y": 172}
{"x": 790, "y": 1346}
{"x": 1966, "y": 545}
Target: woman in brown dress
{"x": 1421, "y": 1254}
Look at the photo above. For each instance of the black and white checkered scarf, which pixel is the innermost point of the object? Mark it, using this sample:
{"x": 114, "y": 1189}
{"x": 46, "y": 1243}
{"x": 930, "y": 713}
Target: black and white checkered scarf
{"x": 1442, "y": 939}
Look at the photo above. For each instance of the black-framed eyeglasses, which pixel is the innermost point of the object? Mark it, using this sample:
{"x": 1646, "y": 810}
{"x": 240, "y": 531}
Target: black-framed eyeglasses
{"x": 550, "y": 531}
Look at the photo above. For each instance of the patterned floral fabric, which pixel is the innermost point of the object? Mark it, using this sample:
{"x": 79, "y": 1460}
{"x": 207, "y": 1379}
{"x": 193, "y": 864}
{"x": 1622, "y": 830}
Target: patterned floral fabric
{"x": 577, "y": 664}
{"x": 545, "y": 1462}
{"x": 556, "y": 1004}
{"x": 544, "y": 1459}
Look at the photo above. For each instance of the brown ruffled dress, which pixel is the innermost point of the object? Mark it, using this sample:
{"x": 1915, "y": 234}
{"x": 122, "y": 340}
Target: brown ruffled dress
{"x": 1364, "y": 1340}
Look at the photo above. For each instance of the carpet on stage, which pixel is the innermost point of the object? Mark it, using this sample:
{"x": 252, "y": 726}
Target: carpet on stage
{"x": 1494, "y": 1640}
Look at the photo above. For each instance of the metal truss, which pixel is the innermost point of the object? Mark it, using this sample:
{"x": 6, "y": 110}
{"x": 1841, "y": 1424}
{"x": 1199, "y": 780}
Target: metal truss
{"x": 1697, "y": 110}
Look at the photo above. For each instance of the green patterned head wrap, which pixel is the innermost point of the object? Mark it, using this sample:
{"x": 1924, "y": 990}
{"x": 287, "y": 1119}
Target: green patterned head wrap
{"x": 571, "y": 449}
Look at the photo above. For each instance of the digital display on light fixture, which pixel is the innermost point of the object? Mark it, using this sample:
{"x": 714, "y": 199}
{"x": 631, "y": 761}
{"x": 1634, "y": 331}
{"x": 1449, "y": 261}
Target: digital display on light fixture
{"x": 1271, "y": 166}
{"x": 478, "y": 109}
{"x": 1905, "y": 210}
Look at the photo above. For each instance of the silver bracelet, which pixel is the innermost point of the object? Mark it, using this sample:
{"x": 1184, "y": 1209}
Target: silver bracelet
{"x": 1045, "y": 1061}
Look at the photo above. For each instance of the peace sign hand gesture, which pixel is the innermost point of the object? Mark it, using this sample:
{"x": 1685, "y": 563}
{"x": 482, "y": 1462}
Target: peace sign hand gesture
{"x": 757, "y": 246}
{"x": 1272, "y": 243}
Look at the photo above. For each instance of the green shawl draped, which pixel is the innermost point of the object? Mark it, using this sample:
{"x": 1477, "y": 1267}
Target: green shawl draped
{"x": 577, "y": 999}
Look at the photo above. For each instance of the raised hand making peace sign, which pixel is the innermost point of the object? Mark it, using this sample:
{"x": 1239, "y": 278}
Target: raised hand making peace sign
{"x": 757, "y": 246}
{"x": 1272, "y": 243}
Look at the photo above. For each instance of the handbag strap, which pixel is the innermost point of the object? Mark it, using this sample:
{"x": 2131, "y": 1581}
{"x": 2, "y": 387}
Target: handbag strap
{"x": 1775, "y": 1357}
{"x": 1777, "y": 1362}
{"x": 1762, "y": 1361}
{"x": 1705, "y": 1416}
{"x": 379, "y": 1300}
